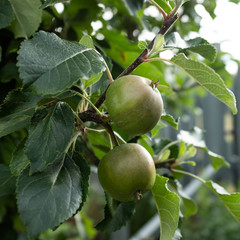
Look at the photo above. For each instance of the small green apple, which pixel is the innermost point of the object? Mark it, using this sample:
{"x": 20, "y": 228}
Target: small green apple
{"x": 134, "y": 104}
{"x": 126, "y": 172}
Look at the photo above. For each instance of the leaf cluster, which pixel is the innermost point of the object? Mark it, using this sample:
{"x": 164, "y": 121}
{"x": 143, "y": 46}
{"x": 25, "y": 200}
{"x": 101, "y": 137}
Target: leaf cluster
{"x": 54, "y": 127}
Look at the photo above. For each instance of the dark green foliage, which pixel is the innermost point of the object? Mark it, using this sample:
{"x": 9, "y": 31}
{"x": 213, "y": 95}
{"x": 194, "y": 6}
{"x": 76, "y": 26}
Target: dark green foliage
{"x": 116, "y": 215}
{"x": 50, "y": 132}
{"x": 61, "y": 180}
{"x": 52, "y": 70}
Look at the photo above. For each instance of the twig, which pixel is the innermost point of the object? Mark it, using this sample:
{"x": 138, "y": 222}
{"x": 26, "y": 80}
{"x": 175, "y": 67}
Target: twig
{"x": 156, "y": 159}
{"x": 189, "y": 174}
{"x": 90, "y": 114}
{"x": 108, "y": 73}
{"x": 165, "y": 164}
{"x": 167, "y": 23}
{"x": 159, "y": 8}
{"x": 111, "y": 133}
{"x": 88, "y": 100}
{"x": 94, "y": 117}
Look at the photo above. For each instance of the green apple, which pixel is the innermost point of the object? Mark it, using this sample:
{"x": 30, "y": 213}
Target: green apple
{"x": 134, "y": 104}
{"x": 126, "y": 172}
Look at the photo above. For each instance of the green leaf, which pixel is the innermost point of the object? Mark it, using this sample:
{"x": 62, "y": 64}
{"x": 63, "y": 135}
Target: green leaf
{"x": 231, "y": 201}
{"x": 195, "y": 137}
{"x": 142, "y": 45}
{"x": 157, "y": 128}
{"x": 124, "y": 53}
{"x": 8, "y": 72}
{"x": 146, "y": 145}
{"x": 92, "y": 80}
{"x": 19, "y": 160}
{"x": 50, "y": 133}
{"x": 164, "y": 156}
{"x": 115, "y": 218}
{"x": 168, "y": 206}
{"x": 6, "y": 13}
{"x": 217, "y": 160}
{"x": 202, "y": 47}
{"x": 52, "y": 2}
{"x": 16, "y": 111}
{"x": 171, "y": 121}
{"x": 87, "y": 41}
{"x": 133, "y": 6}
{"x": 7, "y": 181}
{"x": 48, "y": 198}
{"x": 186, "y": 152}
{"x": 190, "y": 207}
{"x": 157, "y": 45}
{"x": 197, "y": 45}
{"x": 103, "y": 82}
{"x": 164, "y": 5}
{"x": 57, "y": 64}
{"x": 163, "y": 145}
{"x": 27, "y": 17}
{"x": 85, "y": 172}
{"x": 207, "y": 78}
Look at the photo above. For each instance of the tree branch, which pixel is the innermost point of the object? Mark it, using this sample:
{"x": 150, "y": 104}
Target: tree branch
{"x": 167, "y": 23}
{"x": 94, "y": 117}
{"x": 90, "y": 114}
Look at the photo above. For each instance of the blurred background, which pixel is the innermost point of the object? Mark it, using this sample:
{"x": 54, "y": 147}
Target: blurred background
{"x": 116, "y": 27}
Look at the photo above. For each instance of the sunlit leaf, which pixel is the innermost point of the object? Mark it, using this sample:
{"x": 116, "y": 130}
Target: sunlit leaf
{"x": 231, "y": 201}
{"x": 170, "y": 120}
{"x": 87, "y": 41}
{"x": 207, "y": 78}
{"x": 196, "y": 138}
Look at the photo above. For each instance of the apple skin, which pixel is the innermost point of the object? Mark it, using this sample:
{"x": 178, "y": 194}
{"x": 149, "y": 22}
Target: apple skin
{"x": 126, "y": 171}
{"x": 134, "y": 105}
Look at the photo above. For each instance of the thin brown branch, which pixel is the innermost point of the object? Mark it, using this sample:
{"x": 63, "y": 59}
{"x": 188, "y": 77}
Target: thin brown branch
{"x": 143, "y": 56}
{"x": 94, "y": 117}
{"x": 90, "y": 114}
{"x": 110, "y": 131}
{"x": 165, "y": 164}
{"x": 167, "y": 23}
{"x": 159, "y": 8}
{"x": 101, "y": 99}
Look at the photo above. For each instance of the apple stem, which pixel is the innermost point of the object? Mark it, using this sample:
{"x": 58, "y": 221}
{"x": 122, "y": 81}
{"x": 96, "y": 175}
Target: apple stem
{"x": 138, "y": 195}
{"x": 109, "y": 73}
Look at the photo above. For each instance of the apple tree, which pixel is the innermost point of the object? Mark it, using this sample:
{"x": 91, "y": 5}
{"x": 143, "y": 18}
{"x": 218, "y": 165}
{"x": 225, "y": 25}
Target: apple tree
{"x": 80, "y": 94}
